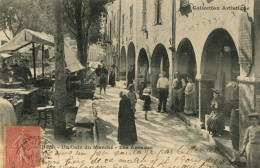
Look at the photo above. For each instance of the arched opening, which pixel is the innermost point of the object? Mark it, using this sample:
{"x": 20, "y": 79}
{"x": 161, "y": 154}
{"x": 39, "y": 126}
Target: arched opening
{"x": 186, "y": 60}
{"x": 131, "y": 62}
{"x": 123, "y": 64}
{"x": 143, "y": 65}
{"x": 159, "y": 63}
{"x": 220, "y": 66}
{"x": 186, "y": 64}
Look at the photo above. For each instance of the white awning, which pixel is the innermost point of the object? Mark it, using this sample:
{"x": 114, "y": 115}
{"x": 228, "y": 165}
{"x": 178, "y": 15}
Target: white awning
{"x": 23, "y": 40}
{"x": 5, "y": 55}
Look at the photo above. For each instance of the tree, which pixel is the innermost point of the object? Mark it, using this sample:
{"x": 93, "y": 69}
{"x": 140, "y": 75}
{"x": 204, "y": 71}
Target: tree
{"x": 16, "y": 15}
{"x": 81, "y": 18}
{"x": 60, "y": 85}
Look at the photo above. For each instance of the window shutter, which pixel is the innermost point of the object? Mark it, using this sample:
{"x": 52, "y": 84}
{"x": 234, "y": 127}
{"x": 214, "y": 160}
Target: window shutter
{"x": 144, "y": 14}
{"x": 184, "y": 3}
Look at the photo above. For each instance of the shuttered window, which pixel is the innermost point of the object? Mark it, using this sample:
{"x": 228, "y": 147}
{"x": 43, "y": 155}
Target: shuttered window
{"x": 144, "y": 14}
{"x": 131, "y": 21}
{"x": 157, "y": 11}
{"x": 123, "y": 26}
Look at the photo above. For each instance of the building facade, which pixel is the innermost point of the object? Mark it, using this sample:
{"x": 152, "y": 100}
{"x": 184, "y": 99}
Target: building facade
{"x": 215, "y": 42}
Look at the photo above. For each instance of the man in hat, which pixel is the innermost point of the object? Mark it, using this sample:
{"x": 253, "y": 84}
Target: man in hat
{"x": 178, "y": 86}
{"x": 162, "y": 87}
{"x": 25, "y": 72}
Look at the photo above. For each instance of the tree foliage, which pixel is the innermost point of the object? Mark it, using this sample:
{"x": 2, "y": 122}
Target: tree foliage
{"x": 16, "y": 15}
{"x": 82, "y": 20}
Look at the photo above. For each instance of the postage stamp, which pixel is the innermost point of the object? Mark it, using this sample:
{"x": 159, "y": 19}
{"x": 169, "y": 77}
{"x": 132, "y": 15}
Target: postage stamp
{"x": 22, "y": 147}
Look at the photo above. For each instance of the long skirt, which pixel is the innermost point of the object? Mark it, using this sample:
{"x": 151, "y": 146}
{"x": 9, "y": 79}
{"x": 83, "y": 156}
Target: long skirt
{"x": 127, "y": 132}
{"x": 112, "y": 80}
{"x": 216, "y": 123}
{"x": 253, "y": 155}
{"x": 190, "y": 104}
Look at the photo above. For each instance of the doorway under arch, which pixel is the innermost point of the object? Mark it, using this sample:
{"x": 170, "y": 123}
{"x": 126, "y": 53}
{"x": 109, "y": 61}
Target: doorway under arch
{"x": 123, "y": 64}
{"x": 220, "y": 66}
{"x": 143, "y": 66}
{"x": 159, "y": 63}
{"x": 185, "y": 62}
{"x": 131, "y": 59}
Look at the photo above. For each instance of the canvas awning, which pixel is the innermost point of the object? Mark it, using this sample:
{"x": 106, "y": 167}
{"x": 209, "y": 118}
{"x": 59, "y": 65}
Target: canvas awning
{"x": 26, "y": 37}
{"x": 5, "y": 55}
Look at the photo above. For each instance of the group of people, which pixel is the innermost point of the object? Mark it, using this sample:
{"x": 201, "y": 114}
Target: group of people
{"x": 18, "y": 72}
{"x": 102, "y": 77}
{"x": 183, "y": 94}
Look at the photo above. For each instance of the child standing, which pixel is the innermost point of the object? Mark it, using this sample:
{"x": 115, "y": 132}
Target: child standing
{"x": 132, "y": 96}
{"x": 252, "y": 142}
{"x": 147, "y": 101}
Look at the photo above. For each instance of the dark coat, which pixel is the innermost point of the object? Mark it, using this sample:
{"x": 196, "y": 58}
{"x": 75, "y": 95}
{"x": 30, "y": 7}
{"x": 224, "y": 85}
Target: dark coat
{"x": 216, "y": 120}
{"x": 147, "y": 103}
{"x": 126, "y": 130}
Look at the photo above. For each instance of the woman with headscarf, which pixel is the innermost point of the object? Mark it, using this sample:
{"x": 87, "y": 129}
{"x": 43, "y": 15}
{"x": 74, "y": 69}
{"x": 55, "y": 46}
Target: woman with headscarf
{"x": 126, "y": 124}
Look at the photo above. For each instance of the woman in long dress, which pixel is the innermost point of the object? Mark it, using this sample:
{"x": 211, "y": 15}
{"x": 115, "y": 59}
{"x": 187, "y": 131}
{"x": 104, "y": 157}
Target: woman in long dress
{"x": 216, "y": 120}
{"x": 251, "y": 145}
{"x": 126, "y": 130}
{"x": 112, "y": 76}
{"x": 190, "y": 101}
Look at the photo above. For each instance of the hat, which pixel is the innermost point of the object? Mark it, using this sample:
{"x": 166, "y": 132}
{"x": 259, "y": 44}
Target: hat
{"x": 177, "y": 73}
{"x": 162, "y": 73}
{"x": 146, "y": 92}
{"x": 254, "y": 114}
{"x": 131, "y": 85}
{"x": 215, "y": 91}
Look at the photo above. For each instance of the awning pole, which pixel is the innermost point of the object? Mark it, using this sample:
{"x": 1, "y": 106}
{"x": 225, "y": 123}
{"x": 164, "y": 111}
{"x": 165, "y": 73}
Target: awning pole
{"x": 34, "y": 66}
{"x": 42, "y": 60}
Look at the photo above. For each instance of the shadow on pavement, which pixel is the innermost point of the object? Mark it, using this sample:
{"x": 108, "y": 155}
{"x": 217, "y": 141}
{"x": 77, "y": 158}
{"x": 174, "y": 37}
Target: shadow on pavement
{"x": 104, "y": 129}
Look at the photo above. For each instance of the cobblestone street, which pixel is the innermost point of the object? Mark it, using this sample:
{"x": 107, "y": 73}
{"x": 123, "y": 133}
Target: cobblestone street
{"x": 160, "y": 131}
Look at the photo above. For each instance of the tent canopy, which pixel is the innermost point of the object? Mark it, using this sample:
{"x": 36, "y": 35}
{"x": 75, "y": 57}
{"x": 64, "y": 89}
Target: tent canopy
{"x": 26, "y": 37}
{"x": 5, "y": 55}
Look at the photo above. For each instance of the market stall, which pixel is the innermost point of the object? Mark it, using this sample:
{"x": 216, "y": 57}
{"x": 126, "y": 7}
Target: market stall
{"x": 28, "y": 40}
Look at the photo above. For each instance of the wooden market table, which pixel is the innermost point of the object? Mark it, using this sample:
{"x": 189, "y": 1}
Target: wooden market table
{"x": 29, "y": 97}
{"x": 18, "y": 107}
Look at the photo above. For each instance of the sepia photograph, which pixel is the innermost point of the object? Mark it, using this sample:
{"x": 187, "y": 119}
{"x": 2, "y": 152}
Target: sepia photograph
{"x": 129, "y": 83}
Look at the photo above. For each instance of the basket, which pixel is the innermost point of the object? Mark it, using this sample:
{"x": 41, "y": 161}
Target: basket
{"x": 87, "y": 94}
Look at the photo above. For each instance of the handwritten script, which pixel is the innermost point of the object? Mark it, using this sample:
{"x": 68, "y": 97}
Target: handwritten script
{"x": 80, "y": 156}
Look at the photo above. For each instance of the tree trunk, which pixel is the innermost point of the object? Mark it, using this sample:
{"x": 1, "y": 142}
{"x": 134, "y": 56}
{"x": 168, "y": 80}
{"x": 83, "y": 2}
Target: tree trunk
{"x": 60, "y": 86}
{"x": 80, "y": 36}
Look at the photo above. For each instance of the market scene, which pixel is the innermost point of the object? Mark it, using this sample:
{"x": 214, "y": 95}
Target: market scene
{"x": 153, "y": 73}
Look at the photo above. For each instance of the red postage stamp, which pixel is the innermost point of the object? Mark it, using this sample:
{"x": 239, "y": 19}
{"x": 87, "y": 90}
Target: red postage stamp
{"x": 22, "y": 147}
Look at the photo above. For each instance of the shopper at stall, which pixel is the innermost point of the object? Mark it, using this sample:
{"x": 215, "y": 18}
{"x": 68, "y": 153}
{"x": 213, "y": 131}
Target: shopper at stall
{"x": 126, "y": 124}
{"x": 25, "y": 71}
{"x": 162, "y": 87}
{"x": 7, "y": 115}
{"x": 251, "y": 144}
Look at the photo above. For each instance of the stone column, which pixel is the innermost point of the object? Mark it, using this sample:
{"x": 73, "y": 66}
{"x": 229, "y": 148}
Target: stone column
{"x": 205, "y": 96}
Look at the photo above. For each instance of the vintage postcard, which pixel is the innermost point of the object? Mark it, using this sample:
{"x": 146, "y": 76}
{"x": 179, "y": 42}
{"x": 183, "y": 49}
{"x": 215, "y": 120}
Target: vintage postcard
{"x": 129, "y": 83}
